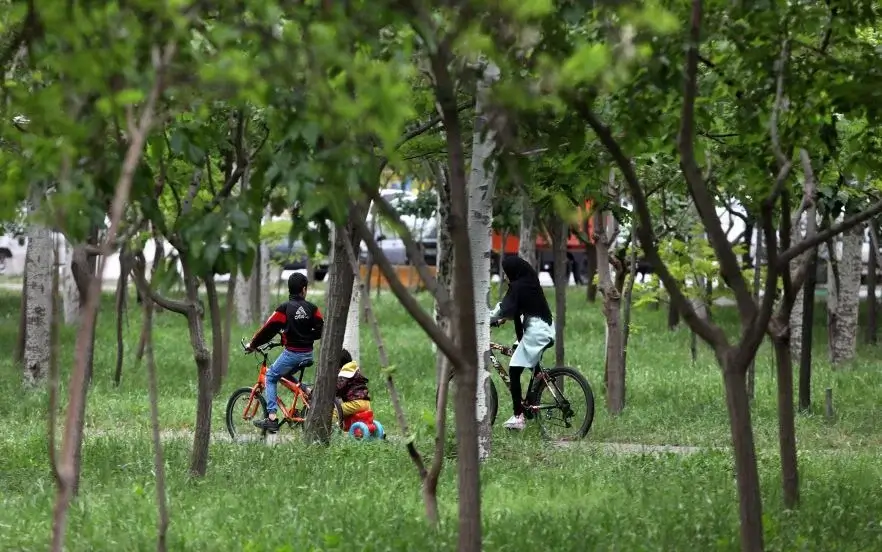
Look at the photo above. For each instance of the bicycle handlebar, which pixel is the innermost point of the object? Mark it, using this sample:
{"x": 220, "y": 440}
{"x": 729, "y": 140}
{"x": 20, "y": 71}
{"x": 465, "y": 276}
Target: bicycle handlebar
{"x": 262, "y": 349}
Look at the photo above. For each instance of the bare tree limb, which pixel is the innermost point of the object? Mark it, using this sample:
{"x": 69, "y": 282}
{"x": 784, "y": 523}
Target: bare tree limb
{"x": 67, "y": 468}
{"x": 834, "y": 230}
{"x": 701, "y": 196}
{"x": 149, "y": 293}
{"x": 424, "y": 319}
{"x": 779, "y": 104}
{"x": 413, "y": 251}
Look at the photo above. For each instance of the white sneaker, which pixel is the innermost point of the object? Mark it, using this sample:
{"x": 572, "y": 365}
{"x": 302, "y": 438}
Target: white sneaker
{"x": 516, "y": 422}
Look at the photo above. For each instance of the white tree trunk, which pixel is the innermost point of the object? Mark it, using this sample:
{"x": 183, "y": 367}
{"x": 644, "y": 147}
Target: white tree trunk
{"x": 265, "y": 284}
{"x": 39, "y": 264}
{"x": 796, "y": 312}
{"x": 527, "y": 245}
{"x": 70, "y": 295}
{"x": 244, "y": 297}
{"x": 351, "y": 341}
{"x": 842, "y": 306}
{"x": 481, "y": 186}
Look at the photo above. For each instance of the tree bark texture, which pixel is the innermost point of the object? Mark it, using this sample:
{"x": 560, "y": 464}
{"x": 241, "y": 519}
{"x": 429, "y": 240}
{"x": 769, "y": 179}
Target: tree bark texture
{"x": 614, "y": 364}
{"x": 351, "y": 338}
{"x": 70, "y": 294}
{"x": 317, "y": 428}
{"x": 786, "y": 422}
{"x": 217, "y": 334}
{"x": 842, "y": 305}
{"x": 481, "y": 186}
{"x": 560, "y": 233}
{"x": 204, "y": 391}
{"x": 744, "y": 450}
{"x": 872, "y": 327}
{"x": 808, "y": 324}
{"x": 39, "y": 264}
{"x": 527, "y": 242}
{"x": 444, "y": 264}
{"x": 796, "y": 314}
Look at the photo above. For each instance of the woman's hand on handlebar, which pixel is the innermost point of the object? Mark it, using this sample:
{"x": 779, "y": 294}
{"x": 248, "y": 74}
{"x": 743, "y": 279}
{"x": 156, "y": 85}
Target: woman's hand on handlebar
{"x": 496, "y": 322}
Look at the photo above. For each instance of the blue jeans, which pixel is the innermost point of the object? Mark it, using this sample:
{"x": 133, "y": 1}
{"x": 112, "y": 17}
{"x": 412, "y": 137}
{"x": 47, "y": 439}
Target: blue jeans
{"x": 283, "y": 365}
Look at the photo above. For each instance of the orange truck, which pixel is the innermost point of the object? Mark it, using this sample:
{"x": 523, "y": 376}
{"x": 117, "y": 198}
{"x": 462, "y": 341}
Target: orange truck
{"x": 544, "y": 249}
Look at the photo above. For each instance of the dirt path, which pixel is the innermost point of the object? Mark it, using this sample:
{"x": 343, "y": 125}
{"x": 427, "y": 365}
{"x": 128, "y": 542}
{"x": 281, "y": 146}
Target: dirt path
{"x": 288, "y": 436}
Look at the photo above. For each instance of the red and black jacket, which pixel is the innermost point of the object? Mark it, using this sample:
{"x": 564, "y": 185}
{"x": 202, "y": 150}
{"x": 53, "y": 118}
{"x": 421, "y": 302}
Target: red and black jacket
{"x": 300, "y": 322}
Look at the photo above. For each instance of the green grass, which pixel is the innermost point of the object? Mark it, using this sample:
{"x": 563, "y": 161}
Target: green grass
{"x": 366, "y": 497}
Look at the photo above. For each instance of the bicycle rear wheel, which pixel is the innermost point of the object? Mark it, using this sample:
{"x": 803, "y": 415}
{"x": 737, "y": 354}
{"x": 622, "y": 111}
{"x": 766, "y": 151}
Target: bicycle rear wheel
{"x": 242, "y": 409}
{"x": 565, "y": 404}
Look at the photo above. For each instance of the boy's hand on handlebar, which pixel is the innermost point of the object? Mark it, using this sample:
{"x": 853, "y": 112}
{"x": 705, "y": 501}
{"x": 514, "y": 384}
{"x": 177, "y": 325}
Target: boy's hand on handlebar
{"x": 496, "y": 322}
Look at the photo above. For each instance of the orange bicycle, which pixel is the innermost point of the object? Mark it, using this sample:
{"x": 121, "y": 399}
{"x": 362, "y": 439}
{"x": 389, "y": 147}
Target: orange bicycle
{"x": 247, "y": 402}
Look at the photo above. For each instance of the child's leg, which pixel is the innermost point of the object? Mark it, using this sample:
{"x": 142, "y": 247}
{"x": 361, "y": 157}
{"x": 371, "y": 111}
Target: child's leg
{"x": 284, "y": 364}
{"x": 353, "y": 407}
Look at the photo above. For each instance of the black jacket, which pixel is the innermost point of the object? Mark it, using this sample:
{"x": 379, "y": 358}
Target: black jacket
{"x": 300, "y": 322}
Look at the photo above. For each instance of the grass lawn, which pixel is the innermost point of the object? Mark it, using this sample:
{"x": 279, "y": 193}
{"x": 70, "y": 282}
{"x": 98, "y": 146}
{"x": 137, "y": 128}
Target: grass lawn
{"x": 366, "y": 496}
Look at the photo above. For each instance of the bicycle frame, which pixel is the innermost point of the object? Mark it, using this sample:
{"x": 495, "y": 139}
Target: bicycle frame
{"x": 537, "y": 373}
{"x": 288, "y": 414}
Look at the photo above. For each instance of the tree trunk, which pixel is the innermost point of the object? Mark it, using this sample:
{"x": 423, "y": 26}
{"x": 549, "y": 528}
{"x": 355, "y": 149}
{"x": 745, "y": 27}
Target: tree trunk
{"x": 121, "y": 296}
{"x": 317, "y": 428}
{"x": 747, "y": 474}
{"x": 591, "y": 272}
{"x": 217, "y": 334}
{"x": 244, "y": 297}
{"x": 628, "y": 298}
{"x": 202, "y": 357}
{"x": 22, "y": 320}
{"x": 527, "y": 242}
{"x": 614, "y": 365}
{"x": 843, "y": 305}
{"x": 351, "y": 341}
{"x": 808, "y": 324}
{"x": 70, "y": 294}
{"x": 561, "y": 281}
{"x": 797, "y": 235}
{"x": 444, "y": 264}
{"x": 158, "y": 459}
{"x": 786, "y": 423}
{"x": 501, "y": 257}
{"x": 264, "y": 291}
{"x": 757, "y": 282}
{"x": 481, "y": 186}
{"x": 673, "y": 315}
{"x": 39, "y": 264}
{"x": 872, "y": 304}
{"x": 228, "y": 325}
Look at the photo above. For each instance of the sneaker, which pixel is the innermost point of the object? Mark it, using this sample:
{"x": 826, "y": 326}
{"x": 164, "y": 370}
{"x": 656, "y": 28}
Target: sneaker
{"x": 516, "y": 422}
{"x": 270, "y": 425}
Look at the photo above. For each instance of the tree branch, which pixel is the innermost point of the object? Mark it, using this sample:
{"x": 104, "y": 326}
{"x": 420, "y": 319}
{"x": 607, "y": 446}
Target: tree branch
{"x": 704, "y": 202}
{"x": 424, "y": 319}
{"x": 413, "y": 251}
{"x": 706, "y": 330}
{"x": 832, "y": 231}
{"x": 139, "y": 270}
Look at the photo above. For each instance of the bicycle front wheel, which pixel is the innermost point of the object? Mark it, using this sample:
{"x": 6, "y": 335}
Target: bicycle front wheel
{"x": 242, "y": 410}
{"x": 565, "y": 404}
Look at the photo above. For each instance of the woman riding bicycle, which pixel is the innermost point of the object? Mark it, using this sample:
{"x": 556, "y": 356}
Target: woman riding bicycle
{"x": 524, "y": 299}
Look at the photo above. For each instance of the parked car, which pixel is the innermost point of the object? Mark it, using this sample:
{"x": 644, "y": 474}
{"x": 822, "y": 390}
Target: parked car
{"x": 292, "y": 256}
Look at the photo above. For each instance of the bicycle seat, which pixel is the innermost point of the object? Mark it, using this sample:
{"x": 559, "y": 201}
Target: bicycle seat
{"x": 303, "y": 364}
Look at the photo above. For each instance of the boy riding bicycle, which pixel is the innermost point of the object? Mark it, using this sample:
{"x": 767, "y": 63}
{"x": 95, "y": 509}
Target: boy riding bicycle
{"x": 300, "y": 323}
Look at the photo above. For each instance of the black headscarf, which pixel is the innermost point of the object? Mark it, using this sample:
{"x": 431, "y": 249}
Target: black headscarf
{"x": 525, "y": 296}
